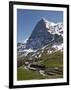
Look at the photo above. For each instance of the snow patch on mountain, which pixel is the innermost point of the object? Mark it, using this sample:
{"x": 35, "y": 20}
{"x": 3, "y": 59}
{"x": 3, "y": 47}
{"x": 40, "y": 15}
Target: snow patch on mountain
{"x": 58, "y": 47}
{"x": 25, "y": 41}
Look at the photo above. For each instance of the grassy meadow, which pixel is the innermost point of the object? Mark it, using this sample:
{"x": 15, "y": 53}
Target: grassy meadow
{"x": 53, "y": 60}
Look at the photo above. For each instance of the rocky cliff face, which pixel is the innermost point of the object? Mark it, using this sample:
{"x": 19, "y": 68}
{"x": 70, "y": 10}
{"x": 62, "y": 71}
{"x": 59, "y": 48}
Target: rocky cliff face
{"x": 44, "y": 34}
{"x": 40, "y": 36}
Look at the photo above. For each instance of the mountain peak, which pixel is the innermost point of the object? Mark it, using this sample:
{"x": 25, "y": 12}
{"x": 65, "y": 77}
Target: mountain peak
{"x": 44, "y": 33}
{"x": 43, "y": 20}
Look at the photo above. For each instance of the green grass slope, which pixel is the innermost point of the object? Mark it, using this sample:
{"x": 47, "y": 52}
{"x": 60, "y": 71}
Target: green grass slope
{"x": 53, "y": 60}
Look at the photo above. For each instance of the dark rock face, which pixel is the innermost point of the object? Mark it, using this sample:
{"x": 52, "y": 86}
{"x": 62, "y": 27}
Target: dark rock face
{"x": 58, "y": 39}
{"x": 40, "y": 36}
{"x": 44, "y": 35}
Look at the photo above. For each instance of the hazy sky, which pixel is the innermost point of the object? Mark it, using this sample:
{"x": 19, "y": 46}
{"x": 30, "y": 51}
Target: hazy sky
{"x": 27, "y": 19}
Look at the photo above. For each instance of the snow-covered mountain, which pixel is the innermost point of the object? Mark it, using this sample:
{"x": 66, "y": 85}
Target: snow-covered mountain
{"x": 45, "y": 34}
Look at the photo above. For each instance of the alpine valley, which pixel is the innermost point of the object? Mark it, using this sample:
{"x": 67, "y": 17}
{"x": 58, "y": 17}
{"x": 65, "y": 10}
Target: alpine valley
{"x": 41, "y": 55}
